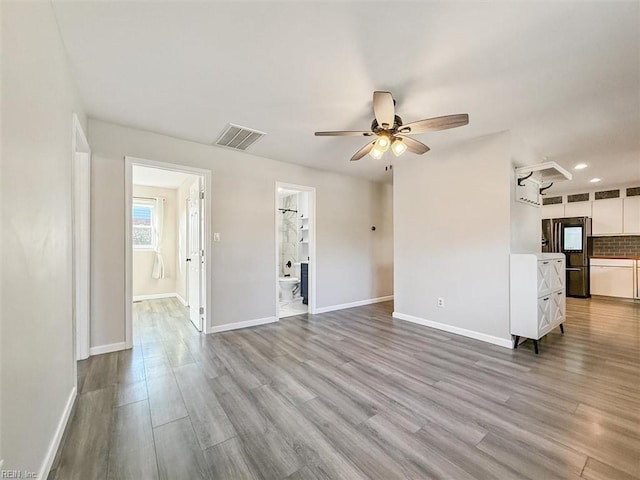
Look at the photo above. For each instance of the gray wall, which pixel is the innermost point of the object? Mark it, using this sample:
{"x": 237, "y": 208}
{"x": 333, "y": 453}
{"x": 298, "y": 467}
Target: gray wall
{"x": 38, "y": 99}
{"x": 353, "y": 263}
{"x": 456, "y": 222}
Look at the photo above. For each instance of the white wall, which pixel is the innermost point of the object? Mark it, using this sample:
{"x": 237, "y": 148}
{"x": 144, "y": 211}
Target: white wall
{"x": 38, "y": 99}
{"x": 143, "y": 260}
{"x": 243, "y": 262}
{"x": 453, "y": 236}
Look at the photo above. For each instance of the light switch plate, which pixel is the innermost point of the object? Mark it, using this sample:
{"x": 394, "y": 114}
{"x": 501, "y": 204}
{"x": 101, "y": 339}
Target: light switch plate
{"x": 216, "y": 236}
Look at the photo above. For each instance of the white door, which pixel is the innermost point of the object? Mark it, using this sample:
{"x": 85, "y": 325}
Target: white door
{"x": 195, "y": 258}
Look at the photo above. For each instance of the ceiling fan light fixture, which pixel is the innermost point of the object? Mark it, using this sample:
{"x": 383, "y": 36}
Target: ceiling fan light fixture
{"x": 376, "y": 153}
{"x": 382, "y": 143}
{"x": 398, "y": 147}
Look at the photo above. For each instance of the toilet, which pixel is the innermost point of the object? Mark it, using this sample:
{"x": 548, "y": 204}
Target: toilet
{"x": 287, "y": 286}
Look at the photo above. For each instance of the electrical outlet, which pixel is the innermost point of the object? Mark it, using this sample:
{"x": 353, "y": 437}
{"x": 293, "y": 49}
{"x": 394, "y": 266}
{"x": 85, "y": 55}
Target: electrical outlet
{"x": 440, "y": 302}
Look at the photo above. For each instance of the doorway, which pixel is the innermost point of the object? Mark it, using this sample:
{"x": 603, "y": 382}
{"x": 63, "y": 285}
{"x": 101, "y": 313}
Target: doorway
{"x": 295, "y": 249}
{"x": 167, "y": 225}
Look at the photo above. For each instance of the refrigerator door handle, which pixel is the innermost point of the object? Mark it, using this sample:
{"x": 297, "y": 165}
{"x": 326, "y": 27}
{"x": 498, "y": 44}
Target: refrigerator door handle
{"x": 573, "y": 269}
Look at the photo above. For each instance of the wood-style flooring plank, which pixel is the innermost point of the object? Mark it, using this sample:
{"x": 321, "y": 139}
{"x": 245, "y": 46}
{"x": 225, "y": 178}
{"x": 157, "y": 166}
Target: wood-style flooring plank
{"x": 165, "y": 400}
{"x": 86, "y": 449}
{"x": 132, "y": 452}
{"x": 209, "y": 419}
{"x": 228, "y": 460}
{"x": 178, "y": 452}
{"x": 595, "y": 470}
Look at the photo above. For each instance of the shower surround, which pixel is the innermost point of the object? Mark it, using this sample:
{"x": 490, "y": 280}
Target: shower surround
{"x": 288, "y": 234}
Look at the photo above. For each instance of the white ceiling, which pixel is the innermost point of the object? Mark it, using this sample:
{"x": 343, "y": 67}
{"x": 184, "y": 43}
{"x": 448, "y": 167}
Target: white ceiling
{"x": 565, "y": 76}
{"x": 156, "y": 177}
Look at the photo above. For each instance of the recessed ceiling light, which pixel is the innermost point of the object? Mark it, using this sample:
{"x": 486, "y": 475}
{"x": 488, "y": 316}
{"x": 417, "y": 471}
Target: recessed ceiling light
{"x": 594, "y": 180}
{"x": 580, "y": 166}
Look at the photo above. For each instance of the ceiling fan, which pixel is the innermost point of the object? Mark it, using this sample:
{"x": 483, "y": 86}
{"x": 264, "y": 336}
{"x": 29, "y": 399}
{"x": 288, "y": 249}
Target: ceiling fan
{"x": 391, "y": 133}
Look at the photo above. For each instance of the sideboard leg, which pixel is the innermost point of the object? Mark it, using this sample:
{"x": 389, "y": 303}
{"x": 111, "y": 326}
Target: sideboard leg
{"x": 535, "y": 346}
{"x": 516, "y": 342}
{"x": 561, "y": 328}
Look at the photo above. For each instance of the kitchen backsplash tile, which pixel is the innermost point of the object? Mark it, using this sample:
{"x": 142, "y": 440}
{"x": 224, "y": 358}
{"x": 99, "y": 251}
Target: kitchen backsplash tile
{"x": 623, "y": 246}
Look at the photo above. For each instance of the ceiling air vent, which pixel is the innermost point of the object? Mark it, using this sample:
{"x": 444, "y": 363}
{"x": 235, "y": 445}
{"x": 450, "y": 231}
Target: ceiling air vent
{"x": 238, "y": 138}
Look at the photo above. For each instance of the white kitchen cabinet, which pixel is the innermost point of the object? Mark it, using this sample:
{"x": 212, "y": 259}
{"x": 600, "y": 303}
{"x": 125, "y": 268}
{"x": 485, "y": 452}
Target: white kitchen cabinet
{"x": 553, "y": 211}
{"x": 631, "y": 219}
{"x": 537, "y": 295}
{"x": 607, "y": 216}
{"x": 637, "y": 279}
{"x": 612, "y": 277}
{"x": 577, "y": 209}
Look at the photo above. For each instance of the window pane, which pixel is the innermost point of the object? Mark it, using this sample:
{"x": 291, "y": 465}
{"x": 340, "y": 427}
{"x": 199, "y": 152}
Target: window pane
{"x": 142, "y": 215}
{"x": 142, "y": 236}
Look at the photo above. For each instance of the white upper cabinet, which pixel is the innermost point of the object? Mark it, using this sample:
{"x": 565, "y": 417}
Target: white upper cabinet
{"x": 631, "y": 215}
{"x": 607, "y": 216}
{"x": 553, "y": 211}
{"x": 578, "y": 209}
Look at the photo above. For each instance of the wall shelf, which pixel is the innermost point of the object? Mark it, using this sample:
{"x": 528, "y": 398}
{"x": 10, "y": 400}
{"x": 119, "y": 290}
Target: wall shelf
{"x": 530, "y": 180}
{"x": 544, "y": 172}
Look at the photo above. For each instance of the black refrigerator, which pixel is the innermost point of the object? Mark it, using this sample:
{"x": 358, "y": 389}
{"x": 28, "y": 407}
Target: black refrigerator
{"x": 571, "y": 236}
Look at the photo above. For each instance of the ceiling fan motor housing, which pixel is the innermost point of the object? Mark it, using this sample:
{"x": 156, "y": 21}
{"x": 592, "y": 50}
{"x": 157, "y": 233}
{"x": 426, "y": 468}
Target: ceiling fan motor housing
{"x": 375, "y": 128}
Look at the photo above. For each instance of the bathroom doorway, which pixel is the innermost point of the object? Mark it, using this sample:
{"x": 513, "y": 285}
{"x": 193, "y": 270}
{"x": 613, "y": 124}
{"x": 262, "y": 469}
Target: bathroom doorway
{"x": 295, "y": 250}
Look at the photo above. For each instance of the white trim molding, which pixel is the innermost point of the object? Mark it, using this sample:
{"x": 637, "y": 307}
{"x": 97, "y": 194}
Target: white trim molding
{"x": 156, "y": 296}
{"x": 112, "y": 347}
{"x": 57, "y": 437}
{"x": 359, "y": 303}
{"x": 238, "y": 325}
{"x": 81, "y": 239}
{"x": 181, "y": 300}
{"x": 501, "y": 342}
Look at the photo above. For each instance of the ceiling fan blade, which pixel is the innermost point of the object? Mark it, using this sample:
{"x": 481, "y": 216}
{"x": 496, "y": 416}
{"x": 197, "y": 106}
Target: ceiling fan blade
{"x": 363, "y": 151}
{"x": 384, "y": 109}
{"x": 415, "y": 146}
{"x": 436, "y": 123}
{"x": 343, "y": 133}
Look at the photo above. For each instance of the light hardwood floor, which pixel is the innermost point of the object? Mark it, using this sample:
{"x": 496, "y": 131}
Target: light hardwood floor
{"x": 353, "y": 395}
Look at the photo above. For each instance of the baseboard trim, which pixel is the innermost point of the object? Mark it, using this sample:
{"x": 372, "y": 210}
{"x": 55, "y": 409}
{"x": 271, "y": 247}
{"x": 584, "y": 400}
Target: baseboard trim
{"x": 57, "y": 437}
{"x": 181, "y": 300}
{"x": 359, "y": 303}
{"x": 246, "y": 324}
{"x": 501, "y": 342}
{"x": 112, "y": 347}
{"x": 155, "y": 296}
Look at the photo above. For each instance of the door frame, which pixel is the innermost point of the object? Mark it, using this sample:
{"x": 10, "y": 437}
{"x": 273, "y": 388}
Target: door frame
{"x": 129, "y": 162}
{"x": 81, "y": 240}
{"x": 312, "y": 243}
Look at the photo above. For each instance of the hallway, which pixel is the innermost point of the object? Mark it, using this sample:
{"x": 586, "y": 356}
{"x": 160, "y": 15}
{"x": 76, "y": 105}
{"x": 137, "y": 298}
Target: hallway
{"x": 354, "y": 394}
